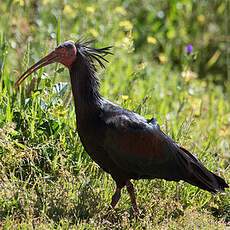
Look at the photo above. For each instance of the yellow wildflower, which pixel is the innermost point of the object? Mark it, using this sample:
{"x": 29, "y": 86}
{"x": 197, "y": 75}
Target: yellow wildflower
{"x": 90, "y": 9}
{"x": 201, "y": 19}
{"x": 124, "y": 97}
{"x": 126, "y": 24}
{"x": 163, "y": 58}
{"x": 120, "y": 10}
{"x": 188, "y": 75}
{"x": 68, "y": 10}
{"x": 151, "y": 40}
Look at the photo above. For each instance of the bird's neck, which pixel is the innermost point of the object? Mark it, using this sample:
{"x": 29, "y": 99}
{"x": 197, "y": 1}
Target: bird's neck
{"x": 85, "y": 88}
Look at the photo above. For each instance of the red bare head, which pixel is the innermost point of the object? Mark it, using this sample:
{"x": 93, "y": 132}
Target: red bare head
{"x": 64, "y": 54}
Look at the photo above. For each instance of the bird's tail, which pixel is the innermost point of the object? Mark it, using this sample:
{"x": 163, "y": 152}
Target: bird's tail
{"x": 201, "y": 177}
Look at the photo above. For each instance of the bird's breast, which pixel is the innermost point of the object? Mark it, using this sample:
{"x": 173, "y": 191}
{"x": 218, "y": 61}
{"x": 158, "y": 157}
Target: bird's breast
{"x": 91, "y": 132}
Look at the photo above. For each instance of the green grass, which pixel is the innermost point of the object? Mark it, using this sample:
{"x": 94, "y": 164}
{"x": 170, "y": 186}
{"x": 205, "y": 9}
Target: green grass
{"x": 47, "y": 180}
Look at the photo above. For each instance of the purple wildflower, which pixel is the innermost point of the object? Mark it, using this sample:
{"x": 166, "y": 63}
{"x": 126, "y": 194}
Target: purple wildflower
{"x": 189, "y": 49}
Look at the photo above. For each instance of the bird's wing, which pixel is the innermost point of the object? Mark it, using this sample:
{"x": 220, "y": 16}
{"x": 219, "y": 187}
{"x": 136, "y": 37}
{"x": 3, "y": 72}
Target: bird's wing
{"x": 141, "y": 148}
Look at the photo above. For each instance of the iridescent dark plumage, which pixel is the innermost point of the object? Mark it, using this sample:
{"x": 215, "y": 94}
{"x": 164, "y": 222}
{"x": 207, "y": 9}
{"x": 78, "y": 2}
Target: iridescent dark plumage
{"x": 123, "y": 143}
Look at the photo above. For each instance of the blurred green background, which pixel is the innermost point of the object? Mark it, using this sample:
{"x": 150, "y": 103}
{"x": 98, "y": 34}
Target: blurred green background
{"x": 47, "y": 180}
{"x": 157, "y": 30}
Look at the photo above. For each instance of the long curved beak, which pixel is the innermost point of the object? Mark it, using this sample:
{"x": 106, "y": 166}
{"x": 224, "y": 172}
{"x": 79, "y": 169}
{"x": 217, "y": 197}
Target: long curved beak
{"x": 50, "y": 58}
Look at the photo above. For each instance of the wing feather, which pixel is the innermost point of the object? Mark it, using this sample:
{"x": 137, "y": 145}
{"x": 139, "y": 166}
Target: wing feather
{"x": 140, "y": 147}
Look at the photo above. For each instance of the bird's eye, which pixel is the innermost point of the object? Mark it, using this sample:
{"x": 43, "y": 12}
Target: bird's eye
{"x": 68, "y": 45}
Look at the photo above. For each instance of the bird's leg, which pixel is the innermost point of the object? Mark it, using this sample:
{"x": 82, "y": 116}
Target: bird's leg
{"x": 131, "y": 192}
{"x": 116, "y": 196}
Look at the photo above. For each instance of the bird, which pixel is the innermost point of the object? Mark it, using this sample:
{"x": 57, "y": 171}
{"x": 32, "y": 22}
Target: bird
{"x": 123, "y": 143}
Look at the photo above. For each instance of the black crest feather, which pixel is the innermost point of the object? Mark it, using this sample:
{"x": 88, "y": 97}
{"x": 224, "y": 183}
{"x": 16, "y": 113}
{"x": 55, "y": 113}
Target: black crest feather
{"x": 92, "y": 54}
